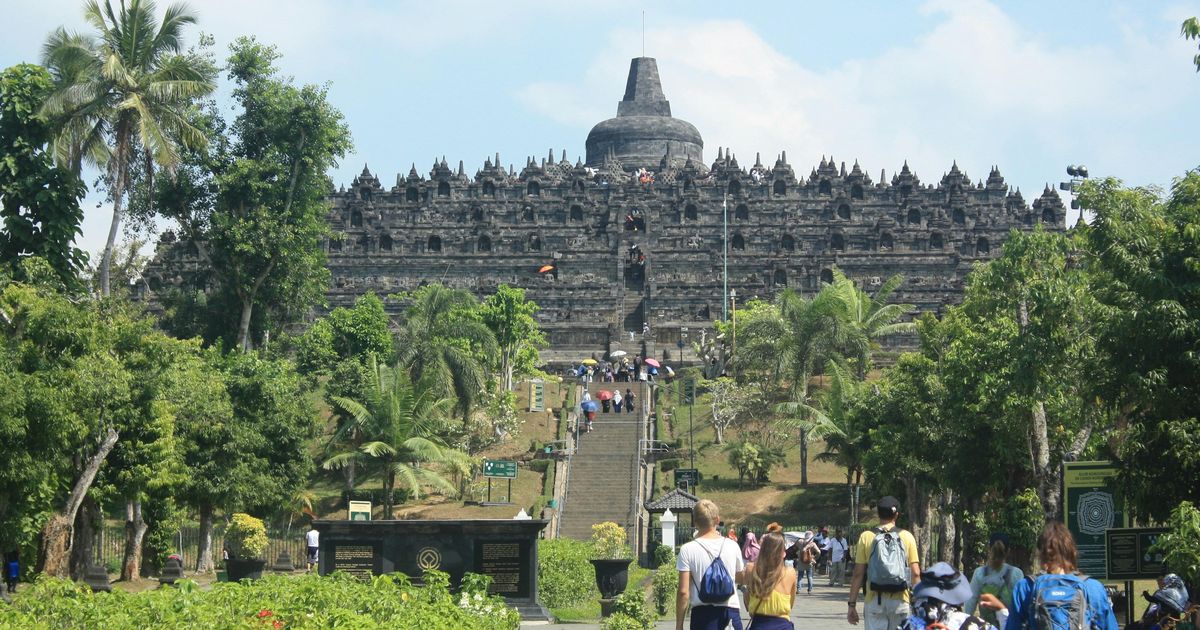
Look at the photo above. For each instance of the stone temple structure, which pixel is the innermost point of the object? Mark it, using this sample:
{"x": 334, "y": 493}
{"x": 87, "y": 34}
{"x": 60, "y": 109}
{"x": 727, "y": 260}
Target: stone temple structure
{"x": 635, "y": 234}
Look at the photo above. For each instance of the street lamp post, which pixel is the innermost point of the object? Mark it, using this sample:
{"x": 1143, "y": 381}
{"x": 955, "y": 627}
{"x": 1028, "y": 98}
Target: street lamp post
{"x": 733, "y": 320}
{"x": 1077, "y": 175}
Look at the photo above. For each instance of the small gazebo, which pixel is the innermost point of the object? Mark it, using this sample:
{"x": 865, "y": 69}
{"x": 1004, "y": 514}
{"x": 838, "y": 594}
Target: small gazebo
{"x": 678, "y": 501}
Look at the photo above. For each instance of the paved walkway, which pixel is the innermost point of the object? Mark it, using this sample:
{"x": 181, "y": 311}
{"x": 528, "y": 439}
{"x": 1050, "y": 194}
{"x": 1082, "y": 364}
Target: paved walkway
{"x": 825, "y": 609}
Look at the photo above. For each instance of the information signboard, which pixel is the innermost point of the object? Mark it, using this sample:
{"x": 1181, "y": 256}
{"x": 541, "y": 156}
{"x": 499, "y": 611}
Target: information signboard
{"x": 537, "y": 396}
{"x": 1090, "y": 510}
{"x": 1129, "y": 556}
{"x": 689, "y": 477}
{"x": 360, "y": 510}
{"x": 499, "y": 469}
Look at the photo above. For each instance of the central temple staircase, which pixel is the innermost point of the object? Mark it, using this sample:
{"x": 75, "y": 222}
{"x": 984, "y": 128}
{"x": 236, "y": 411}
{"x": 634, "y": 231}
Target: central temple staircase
{"x": 604, "y": 473}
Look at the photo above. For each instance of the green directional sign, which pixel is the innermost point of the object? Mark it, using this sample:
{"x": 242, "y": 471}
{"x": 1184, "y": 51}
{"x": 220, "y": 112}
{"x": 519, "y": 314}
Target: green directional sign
{"x": 499, "y": 469}
{"x": 688, "y": 476}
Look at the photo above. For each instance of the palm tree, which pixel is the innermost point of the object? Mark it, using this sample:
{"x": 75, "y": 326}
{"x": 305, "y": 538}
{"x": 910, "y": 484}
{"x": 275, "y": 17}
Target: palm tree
{"x": 130, "y": 85}
{"x": 870, "y": 318}
{"x": 793, "y": 341}
{"x": 395, "y": 429}
{"x": 441, "y": 344}
{"x": 834, "y": 420}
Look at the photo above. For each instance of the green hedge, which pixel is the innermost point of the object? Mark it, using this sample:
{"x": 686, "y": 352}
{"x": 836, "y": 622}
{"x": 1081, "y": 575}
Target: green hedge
{"x": 566, "y": 576}
{"x": 275, "y": 602}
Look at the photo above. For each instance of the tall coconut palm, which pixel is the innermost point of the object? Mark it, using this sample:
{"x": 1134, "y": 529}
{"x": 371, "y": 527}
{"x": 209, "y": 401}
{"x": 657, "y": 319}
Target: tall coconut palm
{"x": 834, "y": 420}
{"x": 794, "y": 340}
{"x": 395, "y": 430}
{"x": 441, "y": 342}
{"x": 870, "y": 318}
{"x": 132, "y": 85}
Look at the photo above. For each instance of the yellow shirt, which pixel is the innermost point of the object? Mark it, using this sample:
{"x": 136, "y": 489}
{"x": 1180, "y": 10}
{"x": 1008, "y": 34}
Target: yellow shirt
{"x": 776, "y": 605}
{"x": 862, "y": 554}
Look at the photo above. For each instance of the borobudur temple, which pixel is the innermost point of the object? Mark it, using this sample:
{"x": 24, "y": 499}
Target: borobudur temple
{"x": 635, "y": 233}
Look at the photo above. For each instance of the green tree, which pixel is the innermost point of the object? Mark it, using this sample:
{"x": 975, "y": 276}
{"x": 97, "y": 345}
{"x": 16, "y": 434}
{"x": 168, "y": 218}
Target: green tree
{"x": 39, "y": 202}
{"x": 60, "y": 426}
{"x": 133, "y": 82}
{"x": 730, "y": 401}
{"x": 345, "y": 333}
{"x": 395, "y": 430}
{"x": 270, "y": 214}
{"x": 870, "y": 318}
{"x": 443, "y": 341}
{"x": 510, "y": 317}
{"x": 1018, "y": 359}
{"x": 793, "y": 340}
{"x": 1191, "y": 30}
{"x": 837, "y": 419}
{"x": 1141, "y": 254}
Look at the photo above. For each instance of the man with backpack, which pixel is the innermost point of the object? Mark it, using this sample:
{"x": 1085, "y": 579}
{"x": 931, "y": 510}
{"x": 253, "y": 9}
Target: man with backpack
{"x": 708, "y": 566}
{"x": 886, "y": 560}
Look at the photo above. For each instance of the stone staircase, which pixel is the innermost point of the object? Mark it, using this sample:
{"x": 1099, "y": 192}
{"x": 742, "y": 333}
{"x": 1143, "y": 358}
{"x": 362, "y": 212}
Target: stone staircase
{"x": 604, "y": 468}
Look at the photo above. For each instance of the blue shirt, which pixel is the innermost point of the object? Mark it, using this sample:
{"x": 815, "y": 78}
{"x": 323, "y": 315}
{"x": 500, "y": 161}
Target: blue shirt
{"x": 1099, "y": 608}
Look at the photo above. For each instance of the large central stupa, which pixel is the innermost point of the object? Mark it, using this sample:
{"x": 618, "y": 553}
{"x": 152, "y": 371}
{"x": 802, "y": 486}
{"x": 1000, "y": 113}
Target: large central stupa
{"x": 644, "y": 131}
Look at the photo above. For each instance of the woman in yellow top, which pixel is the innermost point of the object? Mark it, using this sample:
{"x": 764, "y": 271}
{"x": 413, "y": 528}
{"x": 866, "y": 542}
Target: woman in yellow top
{"x": 770, "y": 586}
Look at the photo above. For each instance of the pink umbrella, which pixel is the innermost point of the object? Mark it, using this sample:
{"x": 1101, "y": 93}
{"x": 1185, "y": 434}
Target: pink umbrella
{"x": 604, "y": 394}
{"x": 652, "y": 362}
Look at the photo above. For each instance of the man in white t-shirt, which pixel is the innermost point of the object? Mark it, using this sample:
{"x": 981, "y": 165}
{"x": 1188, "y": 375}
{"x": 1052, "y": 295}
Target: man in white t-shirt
{"x": 838, "y": 546}
{"x": 693, "y": 560}
{"x": 312, "y": 540}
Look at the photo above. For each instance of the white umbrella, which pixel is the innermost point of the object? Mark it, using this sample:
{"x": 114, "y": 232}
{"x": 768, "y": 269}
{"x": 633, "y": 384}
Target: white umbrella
{"x": 617, "y": 354}
{"x": 793, "y": 537}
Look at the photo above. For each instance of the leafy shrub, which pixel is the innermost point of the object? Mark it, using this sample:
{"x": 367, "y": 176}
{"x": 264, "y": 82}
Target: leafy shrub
{"x": 664, "y": 556}
{"x": 565, "y": 577}
{"x": 539, "y": 465}
{"x": 619, "y": 621}
{"x": 608, "y": 541}
{"x": 342, "y": 601}
{"x": 246, "y": 537}
{"x": 1180, "y": 546}
{"x": 665, "y": 585}
{"x": 629, "y": 613}
{"x": 668, "y": 464}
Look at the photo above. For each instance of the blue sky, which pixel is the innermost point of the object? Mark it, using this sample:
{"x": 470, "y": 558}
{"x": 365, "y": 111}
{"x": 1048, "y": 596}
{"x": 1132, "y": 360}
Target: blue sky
{"x": 1028, "y": 86}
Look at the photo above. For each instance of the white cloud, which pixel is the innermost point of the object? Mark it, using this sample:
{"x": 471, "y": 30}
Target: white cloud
{"x": 974, "y": 87}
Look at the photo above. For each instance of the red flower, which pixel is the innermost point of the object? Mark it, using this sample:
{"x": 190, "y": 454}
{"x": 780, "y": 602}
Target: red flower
{"x": 264, "y": 613}
{"x": 278, "y": 624}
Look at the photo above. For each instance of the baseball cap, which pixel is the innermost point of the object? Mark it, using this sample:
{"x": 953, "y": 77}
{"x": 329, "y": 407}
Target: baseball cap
{"x": 889, "y": 503}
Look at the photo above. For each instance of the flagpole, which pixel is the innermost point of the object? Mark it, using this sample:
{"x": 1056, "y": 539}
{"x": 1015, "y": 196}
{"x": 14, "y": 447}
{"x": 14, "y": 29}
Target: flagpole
{"x": 725, "y": 260}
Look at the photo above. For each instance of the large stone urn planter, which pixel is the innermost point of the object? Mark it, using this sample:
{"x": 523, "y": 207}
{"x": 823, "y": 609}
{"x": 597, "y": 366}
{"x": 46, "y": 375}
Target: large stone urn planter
{"x": 245, "y": 569}
{"x": 612, "y": 576}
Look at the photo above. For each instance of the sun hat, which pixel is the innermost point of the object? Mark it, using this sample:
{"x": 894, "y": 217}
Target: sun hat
{"x": 943, "y": 583}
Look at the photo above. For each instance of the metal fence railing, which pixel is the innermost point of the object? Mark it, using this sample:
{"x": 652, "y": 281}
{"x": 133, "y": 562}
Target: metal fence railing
{"x": 110, "y": 545}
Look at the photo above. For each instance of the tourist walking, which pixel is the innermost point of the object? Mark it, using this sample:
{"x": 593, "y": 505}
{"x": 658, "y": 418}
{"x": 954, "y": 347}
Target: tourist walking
{"x": 751, "y": 547}
{"x": 838, "y": 548}
{"x": 938, "y": 602}
{"x": 1048, "y": 595}
{"x": 628, "y": 400}
{"x": 886, "y": 560}
{"x": 768, "y": 581}
{"x": 12, "y": 570}
{"x": 708, "y": 566}
{"x": 996, "y": 577}
{"x": 617, "y": 400}
{"x": 312, "y": 541}
{"x": 806, "y": 560}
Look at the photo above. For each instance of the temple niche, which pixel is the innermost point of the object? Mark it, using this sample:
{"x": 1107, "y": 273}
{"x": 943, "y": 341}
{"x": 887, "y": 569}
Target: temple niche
{"x": 634, "y": 232}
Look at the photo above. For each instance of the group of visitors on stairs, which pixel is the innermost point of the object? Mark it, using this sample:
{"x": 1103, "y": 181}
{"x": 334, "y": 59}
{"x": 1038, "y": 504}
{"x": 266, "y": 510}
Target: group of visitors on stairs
{"x": 716, "y": 574}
